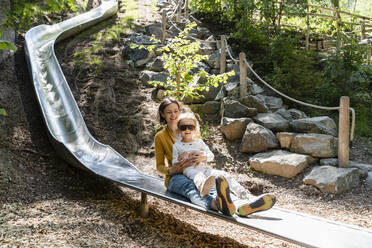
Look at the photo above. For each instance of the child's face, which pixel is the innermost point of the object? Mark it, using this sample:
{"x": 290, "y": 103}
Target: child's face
{"x": 187, "y": 127}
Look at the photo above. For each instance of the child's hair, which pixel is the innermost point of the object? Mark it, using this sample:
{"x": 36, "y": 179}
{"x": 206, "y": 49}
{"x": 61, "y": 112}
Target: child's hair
{"x": 166, "y": 101}
{"x": 190, "y": 116}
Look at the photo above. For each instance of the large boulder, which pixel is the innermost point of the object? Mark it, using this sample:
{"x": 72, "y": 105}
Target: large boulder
{"x": 363, "y": 168}
{"x": 141, "y": 39}
{"x": 254, "y": 102}
{"x": 280, "y": 163}
{"x": 234, "y": 109}
{"x": 316, "y": 145}
{"x": 257, "y": 138}
{"x": 272, "y": 121}
{"x": 333, "y": 180}
{"x": 154, "y": 29}
{"x": 284, "y": 113}
{"x": 322, "y": 125}
{"x": 234, "y": 128}
{"x": 253, "y": 88}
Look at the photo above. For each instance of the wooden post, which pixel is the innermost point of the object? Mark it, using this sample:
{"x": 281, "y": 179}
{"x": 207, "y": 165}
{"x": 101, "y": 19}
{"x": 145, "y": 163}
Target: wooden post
{"x": 163, "y": 26}
{"x": 343, "y": 132}
{"x": 307, "y": 29}
{"x": 369, "y": 52}
{"x": 178, "y": 80}
{"x": 187, "y": 9}
{"x": 243, "y": 75}
{"x": 363, "y": 31}
{"x": 179, "y": 9}
{"x": 143, "y": 209}
{"x": 223, "y": 54}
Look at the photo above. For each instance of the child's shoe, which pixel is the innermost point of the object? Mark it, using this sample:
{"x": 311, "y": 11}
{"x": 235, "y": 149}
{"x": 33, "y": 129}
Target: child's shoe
{"x": 261, "y": 203}
{"x": 223, "y": 199}
{"x": 207, "y": 185}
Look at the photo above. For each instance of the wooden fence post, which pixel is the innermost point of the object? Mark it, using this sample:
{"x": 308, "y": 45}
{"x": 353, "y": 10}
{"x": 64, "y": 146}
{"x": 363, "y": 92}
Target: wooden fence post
{"x": 179, "y": 11}
{"x": 163, "y": 26}
{"x": 243, "y": 75}
{"x": 143, "y": 209}
{"x": 307, "y": 28}
{"x": 369, "y": 52}
{"x": 187, "y": 9}
{"x": 343, "y": 132}
{"x": 363, "y": 31}
{"x": 223, "y": 54}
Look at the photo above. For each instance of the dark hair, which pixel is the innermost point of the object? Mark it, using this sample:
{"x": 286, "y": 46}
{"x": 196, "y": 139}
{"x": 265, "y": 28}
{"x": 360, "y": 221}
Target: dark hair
{"x": 166, "y": 101}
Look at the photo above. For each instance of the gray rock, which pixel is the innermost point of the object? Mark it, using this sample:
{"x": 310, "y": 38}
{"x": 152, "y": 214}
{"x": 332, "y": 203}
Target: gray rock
{"x": 369, "y": 182}
{"x": 214, "y": 59}
{"x": 254, "y": 102}
{"x": 211, "y": 41}
{"x": 141, "y": 39}
{"x": 296, "y": 114}
{"x": 363, "y": 168}
{"x": 273, "y": 103}
{"x": 234, "y": 128}
{"x": 284, "y": 113}
{"x": 146, "y": 76}
{"x": 333, "y": 180}
{"x": 155, "y": 65}
{"x": 322, "y": 125}
{"x": 234, "y": 109}
{"x": 272, "y": 121}
{"x": 285, "y": 139}
{"x": 210, "y": 107}
{"x": 205, "y": 49}
{"x": 154, "y": 29}
{"x": 329, "y": 162}
{"x": 257, "y": 138}
{"x": 201, "y": 66}
{"x": 135, "y": 53}
{"x": 206, "y": 95}
{"x": 232, "y": 90}
{"x": 253, "y": 88}
{"x": 316, "y": 145}
{"x": 280, "y": 163}
{"x": 144, "y": 61}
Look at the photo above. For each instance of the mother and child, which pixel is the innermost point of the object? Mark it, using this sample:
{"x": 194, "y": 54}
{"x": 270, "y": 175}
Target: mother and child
{"x": 182, "y": 156}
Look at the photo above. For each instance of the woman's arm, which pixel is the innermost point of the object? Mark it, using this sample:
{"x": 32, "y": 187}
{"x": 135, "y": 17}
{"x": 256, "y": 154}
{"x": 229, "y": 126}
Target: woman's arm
{"x": 160, "y": 157}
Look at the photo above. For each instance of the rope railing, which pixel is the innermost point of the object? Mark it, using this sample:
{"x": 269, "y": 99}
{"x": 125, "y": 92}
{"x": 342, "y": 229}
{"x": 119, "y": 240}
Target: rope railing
{"x": 344, "y": 108}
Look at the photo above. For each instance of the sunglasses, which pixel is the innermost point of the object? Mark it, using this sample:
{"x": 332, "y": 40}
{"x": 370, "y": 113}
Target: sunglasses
{"x": 189, "y": 127}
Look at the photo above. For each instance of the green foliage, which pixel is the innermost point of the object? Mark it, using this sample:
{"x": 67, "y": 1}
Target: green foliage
{"x": 180, "y": 58}
{"x": 205, "y": 131}
{"x": 295, "y": 71}
{"x": 25, "y": 14}
{"x": 2, "y": 112}
{"x": 6, "y": 45}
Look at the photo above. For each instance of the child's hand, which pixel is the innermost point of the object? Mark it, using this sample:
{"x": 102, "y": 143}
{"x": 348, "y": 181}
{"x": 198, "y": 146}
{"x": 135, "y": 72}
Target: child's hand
{"x": 197, "y": 153}
{"x": 183, "y": 156}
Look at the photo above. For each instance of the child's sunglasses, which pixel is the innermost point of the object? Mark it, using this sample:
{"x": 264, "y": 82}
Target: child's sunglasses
{"x": 189, "y": 127}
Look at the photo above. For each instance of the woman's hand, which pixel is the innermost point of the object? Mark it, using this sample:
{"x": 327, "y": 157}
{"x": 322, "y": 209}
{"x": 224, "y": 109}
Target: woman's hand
{"x": 198, "y": 157}
{"x": 180, "y": 166}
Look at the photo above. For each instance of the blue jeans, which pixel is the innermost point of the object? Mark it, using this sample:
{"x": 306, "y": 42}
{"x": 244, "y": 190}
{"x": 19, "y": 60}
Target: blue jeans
{"x": 184, "y": 186}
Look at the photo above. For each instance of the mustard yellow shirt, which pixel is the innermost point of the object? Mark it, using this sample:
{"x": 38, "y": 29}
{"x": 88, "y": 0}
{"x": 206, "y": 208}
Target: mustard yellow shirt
{"x": 164, "y": 141}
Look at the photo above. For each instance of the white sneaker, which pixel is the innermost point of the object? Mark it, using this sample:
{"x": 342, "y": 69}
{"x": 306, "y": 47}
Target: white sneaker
{"x": 208, "y": 184}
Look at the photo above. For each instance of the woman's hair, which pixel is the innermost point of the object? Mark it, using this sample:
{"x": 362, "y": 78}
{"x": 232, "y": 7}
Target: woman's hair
{"x": 190, "y": 116}
{"x": 166, "y": 101}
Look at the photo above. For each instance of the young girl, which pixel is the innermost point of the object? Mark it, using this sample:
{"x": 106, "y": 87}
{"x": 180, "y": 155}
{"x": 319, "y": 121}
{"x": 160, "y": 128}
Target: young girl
{"x": 191, "y": 145}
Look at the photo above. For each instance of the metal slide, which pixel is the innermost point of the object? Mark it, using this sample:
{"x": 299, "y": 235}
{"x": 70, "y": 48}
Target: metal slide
{"x": 74, "y": 143}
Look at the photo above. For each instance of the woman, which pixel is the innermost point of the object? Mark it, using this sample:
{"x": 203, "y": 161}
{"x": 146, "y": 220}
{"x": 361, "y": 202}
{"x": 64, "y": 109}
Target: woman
{"x": 176, "y": 182}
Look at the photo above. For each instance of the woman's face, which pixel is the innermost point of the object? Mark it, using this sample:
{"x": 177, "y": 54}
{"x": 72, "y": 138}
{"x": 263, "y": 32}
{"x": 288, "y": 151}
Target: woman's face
{"x": 171, "y": 113}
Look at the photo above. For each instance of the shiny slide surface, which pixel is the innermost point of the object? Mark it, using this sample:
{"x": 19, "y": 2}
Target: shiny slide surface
{"x": 73, "y": 142}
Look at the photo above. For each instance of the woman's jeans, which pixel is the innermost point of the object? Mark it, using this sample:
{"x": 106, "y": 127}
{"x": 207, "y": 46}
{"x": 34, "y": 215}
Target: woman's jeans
{"x": 184, "y": 186}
